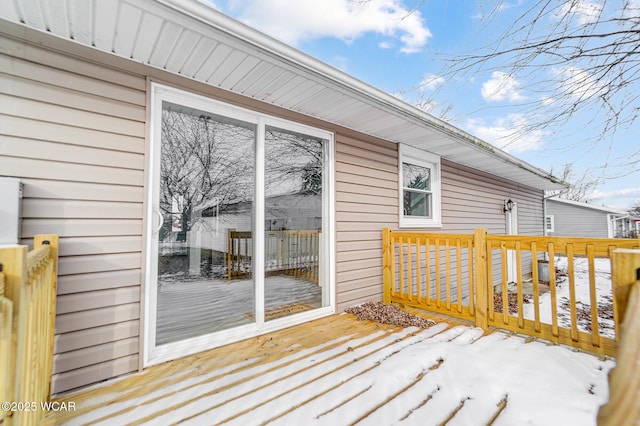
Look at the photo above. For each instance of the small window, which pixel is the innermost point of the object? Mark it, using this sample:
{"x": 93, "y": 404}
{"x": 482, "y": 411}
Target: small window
{"x": 419, "y": 188}
{"x": 549, "y": 223}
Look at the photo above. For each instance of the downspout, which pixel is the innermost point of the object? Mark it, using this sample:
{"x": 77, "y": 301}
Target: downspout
{"x": 544, "y": 216}
{"x": 544, "y": 209}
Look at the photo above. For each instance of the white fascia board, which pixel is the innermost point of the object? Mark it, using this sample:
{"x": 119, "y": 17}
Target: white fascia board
{"x": 202, "y": 11}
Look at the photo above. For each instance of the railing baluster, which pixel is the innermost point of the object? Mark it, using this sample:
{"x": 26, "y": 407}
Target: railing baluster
{"x": 472, "y": 305}
{"x": 409, "y": 270}
{"x": 401, "y": 266}
{"x": 490, "y": 285}
{"x": 459, "y": 274}
{"x": 552, "y": 289}
{"x": 505, "y": 284}
{"x": 572, "y": 293}
{"x": 447, "y": 285}
{"x": 593, "y": 298}
{"x": 436, "y": 248}
{"x": 520, "y": 284}
{"x": 536, "y": 286}
{"x": 418, "y": 270}
{"x": 392, "y": 265}
{"x": 427, "y": 270}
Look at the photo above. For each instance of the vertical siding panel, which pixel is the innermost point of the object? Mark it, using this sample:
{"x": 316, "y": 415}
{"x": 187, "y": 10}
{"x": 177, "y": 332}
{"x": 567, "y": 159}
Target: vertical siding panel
{"x": 80, "y": 156}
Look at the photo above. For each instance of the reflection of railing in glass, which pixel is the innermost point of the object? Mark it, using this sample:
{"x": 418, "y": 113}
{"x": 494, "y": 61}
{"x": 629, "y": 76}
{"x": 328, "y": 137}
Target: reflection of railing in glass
{"x": 289, "y": 252}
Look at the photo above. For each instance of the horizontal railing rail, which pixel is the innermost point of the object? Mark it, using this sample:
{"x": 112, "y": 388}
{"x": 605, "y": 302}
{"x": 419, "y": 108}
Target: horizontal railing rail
{"x": 495, "y": 280}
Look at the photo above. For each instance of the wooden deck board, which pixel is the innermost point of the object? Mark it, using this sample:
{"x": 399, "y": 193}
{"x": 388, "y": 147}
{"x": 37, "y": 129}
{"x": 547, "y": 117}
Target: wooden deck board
{"x": 252, "y": 358}
{"x": 325, "y": 370}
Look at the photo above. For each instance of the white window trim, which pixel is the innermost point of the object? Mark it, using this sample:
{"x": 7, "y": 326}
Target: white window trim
{"x": 549, "y": 223}
{"x": 408, "y": 154}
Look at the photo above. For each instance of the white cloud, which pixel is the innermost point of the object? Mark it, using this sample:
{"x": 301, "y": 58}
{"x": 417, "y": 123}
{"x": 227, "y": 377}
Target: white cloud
{"x": 587, "y": 12}
{"x": 293, "y": 21}
{"x": 623, "y": 197}
{"x": 509, "y": 133}
{"x": 625, "y": 192}
{"x": 340, "y": 62}
{"x": 578, "y": 83}
{"x": 431, "y": 81}
{"x": 547, "y": 100}
{"x": 505, "y": 5}
{"x": 632, "y": 11}
{"x": 501, "y": 86}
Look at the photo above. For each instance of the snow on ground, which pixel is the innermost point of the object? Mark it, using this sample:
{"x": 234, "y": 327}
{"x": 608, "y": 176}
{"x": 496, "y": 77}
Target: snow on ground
{"x": 583, "y": 301}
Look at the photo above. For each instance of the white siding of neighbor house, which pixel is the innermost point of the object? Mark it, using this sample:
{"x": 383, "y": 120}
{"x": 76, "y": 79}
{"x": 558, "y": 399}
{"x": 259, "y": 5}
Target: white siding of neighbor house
{"x": 576, "y": 221}
{"x": 74, "y": 133}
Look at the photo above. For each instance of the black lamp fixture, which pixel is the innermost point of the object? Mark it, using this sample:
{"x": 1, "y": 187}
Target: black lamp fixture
{"x": 507, "y": 206}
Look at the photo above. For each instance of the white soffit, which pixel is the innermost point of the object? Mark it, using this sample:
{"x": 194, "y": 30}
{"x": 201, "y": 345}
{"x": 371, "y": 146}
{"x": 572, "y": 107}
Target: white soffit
{"x": 189, "y": 38}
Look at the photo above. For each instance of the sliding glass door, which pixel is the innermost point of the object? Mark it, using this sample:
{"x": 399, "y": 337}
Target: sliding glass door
{"x": 239, "y": 225}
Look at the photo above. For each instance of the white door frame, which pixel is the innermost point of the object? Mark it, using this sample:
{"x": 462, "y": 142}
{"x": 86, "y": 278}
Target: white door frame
{"x": 152, "y": 354}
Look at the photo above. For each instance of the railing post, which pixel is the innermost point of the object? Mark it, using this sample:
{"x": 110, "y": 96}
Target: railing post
{"x": 480, "y": 246}
{"x": 624, "y": 380}
{"x": 624, "y": 263}
{"x": 53, "y": 242}
{"x": 6, "y": 327}
{"x": 14, "y": 261}
{"x": 386, "y": 266}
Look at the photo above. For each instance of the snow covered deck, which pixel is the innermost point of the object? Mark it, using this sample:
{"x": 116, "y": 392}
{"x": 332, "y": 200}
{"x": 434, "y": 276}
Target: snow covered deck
{"x": 340, "y": 371}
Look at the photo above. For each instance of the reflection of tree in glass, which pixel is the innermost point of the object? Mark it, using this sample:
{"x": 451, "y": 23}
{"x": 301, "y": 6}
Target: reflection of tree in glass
{"x": 294, "y": 163}
{"x": 204, "y": 158}
{"x": 416, "y": 176}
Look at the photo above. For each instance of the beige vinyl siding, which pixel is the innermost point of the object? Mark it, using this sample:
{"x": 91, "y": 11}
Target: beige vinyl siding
{"x": 366, "y": 202}
{"x": 470, "y": 199}
{"x": 74, "y": 133}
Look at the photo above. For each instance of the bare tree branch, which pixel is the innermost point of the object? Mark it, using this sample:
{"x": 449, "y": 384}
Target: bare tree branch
{"x": 579, "y": 57}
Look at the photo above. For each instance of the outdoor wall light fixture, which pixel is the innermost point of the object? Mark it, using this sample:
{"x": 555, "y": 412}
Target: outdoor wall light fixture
{"x": 507, "y": 206}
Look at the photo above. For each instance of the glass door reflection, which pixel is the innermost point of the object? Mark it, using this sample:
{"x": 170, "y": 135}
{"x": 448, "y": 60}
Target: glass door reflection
{"x": 294, "y": 210}
{"x": 206, "y": 193}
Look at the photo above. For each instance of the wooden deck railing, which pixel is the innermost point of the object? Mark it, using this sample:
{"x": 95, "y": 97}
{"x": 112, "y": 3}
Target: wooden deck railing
{"x": 27, "y": 309}
{"x": 624, "y": 379}
{"x": 291, "y": 252}
{"x": 466, "y": 275}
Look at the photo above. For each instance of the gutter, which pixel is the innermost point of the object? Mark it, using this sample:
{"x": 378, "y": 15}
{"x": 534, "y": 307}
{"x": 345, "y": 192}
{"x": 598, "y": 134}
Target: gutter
{"x": 203, "y": 12}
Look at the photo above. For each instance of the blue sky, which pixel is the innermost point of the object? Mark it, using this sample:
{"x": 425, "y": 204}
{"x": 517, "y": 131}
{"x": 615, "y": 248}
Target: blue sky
{"x": 399, "y": 46}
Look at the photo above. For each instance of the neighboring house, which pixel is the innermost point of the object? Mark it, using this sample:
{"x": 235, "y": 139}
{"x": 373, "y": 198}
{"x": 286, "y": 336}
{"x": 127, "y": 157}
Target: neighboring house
{"x": 119, "y": 115}
{"x": 579, "y": 219}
